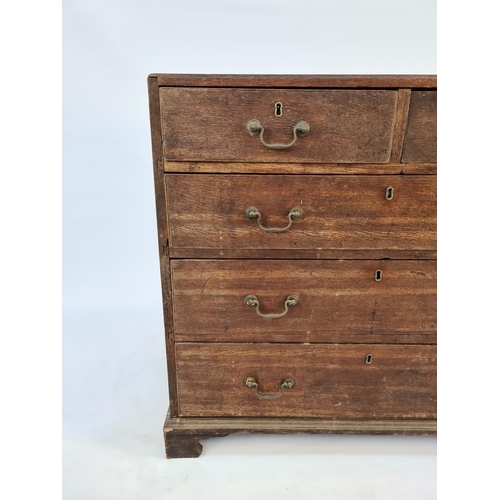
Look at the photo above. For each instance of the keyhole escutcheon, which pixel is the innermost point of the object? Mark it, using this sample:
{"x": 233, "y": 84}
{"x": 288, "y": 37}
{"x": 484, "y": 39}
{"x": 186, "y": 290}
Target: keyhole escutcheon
{"x": 389, "y": 193}
{"x": 369, "y": 359}
{"x": 378, "y": 275}
{"x": 278, "y": 109}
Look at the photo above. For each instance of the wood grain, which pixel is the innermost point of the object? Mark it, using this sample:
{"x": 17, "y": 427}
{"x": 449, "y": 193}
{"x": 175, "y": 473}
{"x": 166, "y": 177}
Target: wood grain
{"x": 196, "y": 167}
{"x": 161, "y": 213}
{"x": 215, "y": 427}
{"x": 421, "y": 136}
{"x": 340, "y": 212}
{"x": 340, "y": 301}
{"x": 400, "y": 124}
{"x": 168, "y": 315}
{"x": 298, "y": 81}
{"x": 154, "y": 117}
{"x": 331, "y": 381}
{"x": 347, "y": 126}
{"x": 291, "y": 254}
{"x": 183, "y": 435}
{"x": 368, "y": 132}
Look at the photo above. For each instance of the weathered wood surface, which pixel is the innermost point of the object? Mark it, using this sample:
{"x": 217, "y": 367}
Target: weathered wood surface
{"x": 291, "y": 254}
{"x": 183, "y": 435}
{"x": 338, "y": 176}
{"x": 182, "y": 445}
{"x": 215, "y": 427}
{"x": 185, "y": 445}
{"x": 298, "y": 81}
{"x": 154, "y": 117}
{"x": 340, "y": 301}
{"x": 197, "y": 167}
{"x": 168, "y": 316}
{"x": 400, "y": 124}
{"x": 331, "y": 380}
{"x": 421, "y": 136}
{"x": 161, "y": 216}
{"x": 340, "y": 212}
{"x": 347, "y": 126}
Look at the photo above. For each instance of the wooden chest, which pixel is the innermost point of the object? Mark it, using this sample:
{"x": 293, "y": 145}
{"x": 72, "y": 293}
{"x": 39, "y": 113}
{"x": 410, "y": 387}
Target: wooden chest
{"x": 297, "y": 238}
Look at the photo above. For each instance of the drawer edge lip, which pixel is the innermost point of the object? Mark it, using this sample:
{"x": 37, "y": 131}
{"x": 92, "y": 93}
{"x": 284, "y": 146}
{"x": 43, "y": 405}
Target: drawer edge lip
{"x": 228, "y": 167}
{"x": 308, "y": 344}
{"x": 201, "y": 339}
{"x": 180, "y": 253}
{"x": 297, "y": 81}
{"x": 276, "y": 425}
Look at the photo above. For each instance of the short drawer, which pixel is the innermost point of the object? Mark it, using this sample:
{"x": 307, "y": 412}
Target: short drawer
{"x": 421, "y": 135}
{"x": 319, "y": 381}
{"x": 355, "y": 301}
{"x": 212, "y": 124}
{"x": 334, "y": 212}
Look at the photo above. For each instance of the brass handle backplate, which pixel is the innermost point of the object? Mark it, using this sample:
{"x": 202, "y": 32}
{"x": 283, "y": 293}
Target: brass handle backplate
{"x": 295, "y": 214}
{"x": 251, "y": 383}
{"x": 253, "y": 301}
{"x": 300, "y": 129}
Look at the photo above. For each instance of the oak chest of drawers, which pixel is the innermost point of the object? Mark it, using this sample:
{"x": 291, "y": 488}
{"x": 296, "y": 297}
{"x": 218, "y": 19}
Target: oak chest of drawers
{"x": 297, "y": 238}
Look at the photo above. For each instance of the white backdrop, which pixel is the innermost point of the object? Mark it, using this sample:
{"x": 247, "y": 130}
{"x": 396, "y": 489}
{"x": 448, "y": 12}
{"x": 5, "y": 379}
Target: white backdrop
{"x": 115, "y": 387}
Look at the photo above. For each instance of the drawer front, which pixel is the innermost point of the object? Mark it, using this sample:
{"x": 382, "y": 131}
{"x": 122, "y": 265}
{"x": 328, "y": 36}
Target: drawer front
{"x": 338, "y": 301}
{"x": 328, "y": 380}
{"x": 339, "y": 212}
{"x": 346, "y": 126}
{"x": 421, "y": 136}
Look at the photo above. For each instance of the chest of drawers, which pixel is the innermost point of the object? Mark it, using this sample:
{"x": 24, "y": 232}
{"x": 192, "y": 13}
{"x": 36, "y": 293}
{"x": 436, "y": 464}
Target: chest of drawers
{"x": 297, "y": 239}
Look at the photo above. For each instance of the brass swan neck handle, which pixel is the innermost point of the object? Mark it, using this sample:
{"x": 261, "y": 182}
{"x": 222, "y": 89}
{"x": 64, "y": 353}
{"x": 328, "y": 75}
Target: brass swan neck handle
{"x": 295, "y": 214}
{"x": 300, "y": 129}
{"x": 251, "y": 383}
{"x": 253, "y": 301}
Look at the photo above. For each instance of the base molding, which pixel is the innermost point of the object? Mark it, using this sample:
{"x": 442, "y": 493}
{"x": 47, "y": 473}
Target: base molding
{"x": 183, "y": 435}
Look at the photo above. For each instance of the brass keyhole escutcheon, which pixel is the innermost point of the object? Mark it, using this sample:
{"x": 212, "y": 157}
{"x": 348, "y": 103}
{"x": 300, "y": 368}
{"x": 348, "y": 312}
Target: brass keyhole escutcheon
{"x": 378, "y": 275}
{"x": 369, "y": 359}
{"x": 389, "y": 193}
{"x": 278, "y": 109}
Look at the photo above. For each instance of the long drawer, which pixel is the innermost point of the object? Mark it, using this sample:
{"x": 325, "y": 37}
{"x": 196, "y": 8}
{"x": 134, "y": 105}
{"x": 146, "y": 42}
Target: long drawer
{"x": 213, "y": 124}
{"x": 283, "y": 380}
{"x": 309, "y": 212}
{"x": 375, "y": 301}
